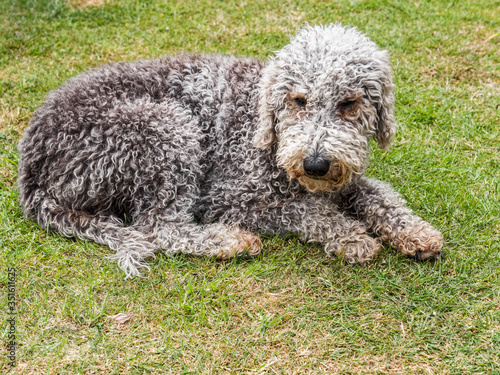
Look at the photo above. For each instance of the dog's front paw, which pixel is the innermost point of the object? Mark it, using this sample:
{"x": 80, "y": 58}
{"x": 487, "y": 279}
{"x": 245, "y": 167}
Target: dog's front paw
{"x": 239, "y": 242}
{"x": 360, "y": 248}
{"x": 421, "y": 241}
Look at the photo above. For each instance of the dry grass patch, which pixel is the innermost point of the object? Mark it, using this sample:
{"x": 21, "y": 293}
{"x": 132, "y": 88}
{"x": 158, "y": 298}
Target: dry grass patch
{"x": 87, "y": 3}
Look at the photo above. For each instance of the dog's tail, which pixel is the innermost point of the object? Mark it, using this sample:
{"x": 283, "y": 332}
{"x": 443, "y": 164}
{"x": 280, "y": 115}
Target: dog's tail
{"x": 132, "y": 247}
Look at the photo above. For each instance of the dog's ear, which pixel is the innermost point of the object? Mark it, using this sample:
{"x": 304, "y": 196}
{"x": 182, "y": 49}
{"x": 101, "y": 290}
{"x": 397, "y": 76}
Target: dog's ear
{"x": 386, "y": 126}
{"x": 265, "y": 134}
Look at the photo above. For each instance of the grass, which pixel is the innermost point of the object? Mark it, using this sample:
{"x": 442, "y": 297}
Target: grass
{"x": 291, "y": 310}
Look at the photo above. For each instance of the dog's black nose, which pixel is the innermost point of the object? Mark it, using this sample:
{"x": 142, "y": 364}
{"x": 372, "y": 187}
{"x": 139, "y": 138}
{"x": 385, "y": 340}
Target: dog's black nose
{"x": 316, "y": 166}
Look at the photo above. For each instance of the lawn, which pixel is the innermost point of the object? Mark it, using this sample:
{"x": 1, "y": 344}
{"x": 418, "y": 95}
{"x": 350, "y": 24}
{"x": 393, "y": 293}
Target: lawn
{"x": 290, "y": 310}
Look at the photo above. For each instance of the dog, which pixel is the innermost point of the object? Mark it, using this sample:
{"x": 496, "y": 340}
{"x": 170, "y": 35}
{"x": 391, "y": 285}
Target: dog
{"x": 199, "y": 154}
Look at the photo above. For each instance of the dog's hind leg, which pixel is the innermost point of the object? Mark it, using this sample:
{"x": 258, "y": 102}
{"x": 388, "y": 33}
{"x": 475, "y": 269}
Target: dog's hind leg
{"x": 185, "y": 236}
{"x": 132, "y": 247}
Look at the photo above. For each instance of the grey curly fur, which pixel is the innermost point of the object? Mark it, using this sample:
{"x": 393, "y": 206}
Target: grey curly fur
{"x": 196, "y": 154}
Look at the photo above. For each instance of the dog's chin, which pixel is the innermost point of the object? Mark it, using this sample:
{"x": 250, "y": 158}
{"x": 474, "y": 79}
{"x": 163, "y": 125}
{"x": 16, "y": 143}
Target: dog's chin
{"x": 321, "y": 185}
{"x": 315, "y": 185}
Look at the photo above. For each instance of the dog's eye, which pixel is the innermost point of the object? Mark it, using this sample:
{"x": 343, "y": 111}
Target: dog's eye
{"x": 346, "y": 104}
{"x": 301, "y": 102}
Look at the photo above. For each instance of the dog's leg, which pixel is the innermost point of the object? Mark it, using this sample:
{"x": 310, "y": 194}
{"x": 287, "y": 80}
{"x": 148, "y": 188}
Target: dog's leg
{"x": 215, "y": 240}
{"x": 384, "y": 212}
{"x": 314, "y": 219}
{"x": 342, "y": 236}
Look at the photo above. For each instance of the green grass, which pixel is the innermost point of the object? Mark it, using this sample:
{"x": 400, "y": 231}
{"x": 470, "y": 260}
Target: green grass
{"x": 290, "y": 310}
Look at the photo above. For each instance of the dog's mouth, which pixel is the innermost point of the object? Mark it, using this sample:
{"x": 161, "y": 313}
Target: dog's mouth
{"x": 338, "y": 175}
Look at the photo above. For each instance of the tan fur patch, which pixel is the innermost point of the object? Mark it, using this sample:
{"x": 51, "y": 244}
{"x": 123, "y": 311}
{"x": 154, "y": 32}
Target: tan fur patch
{"x": 421, "y": 238}
{"x": 243, "y": 241}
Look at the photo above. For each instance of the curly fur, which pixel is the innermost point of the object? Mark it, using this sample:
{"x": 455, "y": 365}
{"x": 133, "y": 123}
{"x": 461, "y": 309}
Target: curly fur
{"x": 196, "y": 154}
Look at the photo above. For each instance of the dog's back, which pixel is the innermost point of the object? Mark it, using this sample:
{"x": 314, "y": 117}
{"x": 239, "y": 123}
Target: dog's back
{"x": 110, "y": 143}
{"x": 86, "y": 112}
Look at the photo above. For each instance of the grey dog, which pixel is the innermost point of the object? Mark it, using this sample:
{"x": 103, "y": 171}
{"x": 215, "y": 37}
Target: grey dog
{"x": 197, "y": 154}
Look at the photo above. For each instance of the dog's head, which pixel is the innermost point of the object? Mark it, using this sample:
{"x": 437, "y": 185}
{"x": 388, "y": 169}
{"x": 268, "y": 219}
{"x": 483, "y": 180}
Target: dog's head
{"x": 322, "y": 97}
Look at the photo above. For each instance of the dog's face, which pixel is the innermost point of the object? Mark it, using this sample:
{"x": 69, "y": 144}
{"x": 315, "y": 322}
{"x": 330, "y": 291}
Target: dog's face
{"x": 321, "y": 99}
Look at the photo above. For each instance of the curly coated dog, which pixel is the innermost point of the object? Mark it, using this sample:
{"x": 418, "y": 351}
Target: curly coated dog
{"x": 197, "y": 154}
